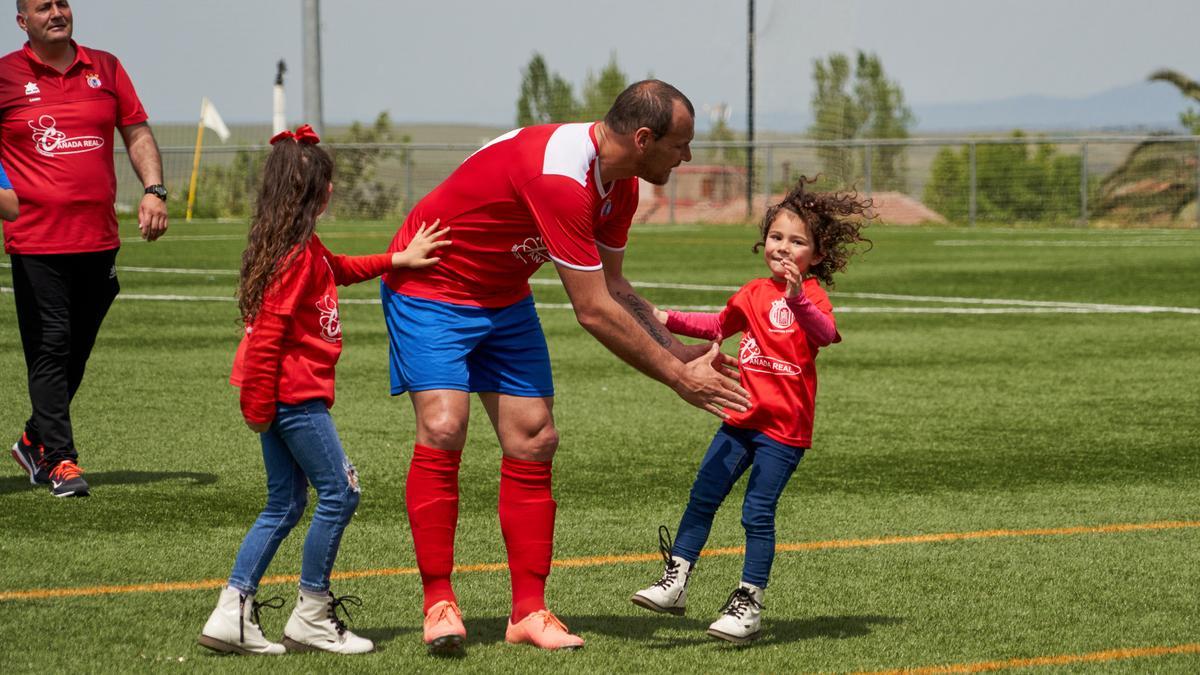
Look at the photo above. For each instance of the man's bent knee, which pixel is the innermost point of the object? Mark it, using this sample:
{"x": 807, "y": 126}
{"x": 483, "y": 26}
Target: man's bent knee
{"x": 539, "y": 446}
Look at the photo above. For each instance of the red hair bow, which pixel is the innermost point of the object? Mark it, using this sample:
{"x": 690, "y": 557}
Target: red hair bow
{"x": 304, "y": 134}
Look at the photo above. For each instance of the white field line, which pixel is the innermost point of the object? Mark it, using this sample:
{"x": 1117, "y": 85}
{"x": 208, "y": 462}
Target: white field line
{"x": 363, "y": 234}
{"x": 1003, "y": 305}
{"x": 1040, "y": 243}
{"x": 1026, "y": 308}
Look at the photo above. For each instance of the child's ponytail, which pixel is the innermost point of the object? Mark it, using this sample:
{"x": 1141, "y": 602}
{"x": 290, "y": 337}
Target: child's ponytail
{"x": 294, "y": 190}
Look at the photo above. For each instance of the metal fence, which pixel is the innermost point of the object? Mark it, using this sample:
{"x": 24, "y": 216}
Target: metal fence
{"x": 1056, "y": 180}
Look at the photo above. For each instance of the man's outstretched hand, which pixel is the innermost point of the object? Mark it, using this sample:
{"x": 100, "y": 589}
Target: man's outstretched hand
{"x": 704, "y": 383}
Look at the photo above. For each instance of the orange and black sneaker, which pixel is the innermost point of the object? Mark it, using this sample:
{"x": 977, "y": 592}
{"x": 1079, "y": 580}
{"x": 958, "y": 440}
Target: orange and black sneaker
{"x": 29, "y": 456}
{"x": 66, "y": 480}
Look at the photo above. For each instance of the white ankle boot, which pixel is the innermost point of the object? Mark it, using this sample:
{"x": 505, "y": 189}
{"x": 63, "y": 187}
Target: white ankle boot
{"x": 669, "y": 593}
{"x": 741, "y": 615}
{"x": 314, "y": 625}
{"x": 233, "y": 626}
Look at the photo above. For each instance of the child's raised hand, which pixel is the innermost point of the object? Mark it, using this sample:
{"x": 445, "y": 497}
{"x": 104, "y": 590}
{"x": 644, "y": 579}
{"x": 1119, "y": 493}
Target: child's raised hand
{"x": 791, "y": 273}
{"x": 424, "y": 242}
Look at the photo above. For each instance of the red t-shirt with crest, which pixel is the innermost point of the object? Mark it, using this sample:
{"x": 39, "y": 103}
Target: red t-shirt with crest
{"x": 289, "y": 351}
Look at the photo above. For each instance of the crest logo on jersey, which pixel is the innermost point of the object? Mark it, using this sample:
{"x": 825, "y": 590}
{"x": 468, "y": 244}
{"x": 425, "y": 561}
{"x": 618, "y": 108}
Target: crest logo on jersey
{"x": 31, "y": 88}
{"x": 751, "y": 357}
{"x": 531, "y": 251}
{"x": 331, "y": 325}
{"x": 606, "y": 208}
{"x": 50, "y": 141}
{"x": 93, "y": 80}
{"x": 781, "y": 315}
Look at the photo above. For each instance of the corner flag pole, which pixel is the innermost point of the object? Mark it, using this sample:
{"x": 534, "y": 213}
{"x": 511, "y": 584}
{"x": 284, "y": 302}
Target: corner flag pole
{"x": 195, "y": 164}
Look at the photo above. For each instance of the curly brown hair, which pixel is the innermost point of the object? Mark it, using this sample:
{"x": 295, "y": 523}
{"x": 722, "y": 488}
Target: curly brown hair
{"x": 835, "y": 220}
{"x": 293, "y": 192}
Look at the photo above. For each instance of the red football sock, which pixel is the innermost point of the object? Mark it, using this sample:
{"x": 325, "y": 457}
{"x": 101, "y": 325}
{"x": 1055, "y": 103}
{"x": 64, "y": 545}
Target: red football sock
{"x": 431, "y": 496}
{"x": 527, "y": 522}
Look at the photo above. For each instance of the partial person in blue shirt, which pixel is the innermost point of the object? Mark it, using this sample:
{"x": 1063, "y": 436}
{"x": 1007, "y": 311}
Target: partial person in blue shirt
{"x": 8, "y": 197}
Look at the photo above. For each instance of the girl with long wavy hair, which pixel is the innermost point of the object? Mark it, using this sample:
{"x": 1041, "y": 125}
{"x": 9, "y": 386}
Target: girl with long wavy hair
{"x": 284, "y": 366}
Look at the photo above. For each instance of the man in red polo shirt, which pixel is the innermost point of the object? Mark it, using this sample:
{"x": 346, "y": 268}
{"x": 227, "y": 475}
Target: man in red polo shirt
{"x": 59, "y": 106}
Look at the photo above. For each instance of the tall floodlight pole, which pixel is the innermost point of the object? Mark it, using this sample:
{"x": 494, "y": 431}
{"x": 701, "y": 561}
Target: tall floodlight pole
{"x": 312, "y": 65}
{"x": 750, "y": 109}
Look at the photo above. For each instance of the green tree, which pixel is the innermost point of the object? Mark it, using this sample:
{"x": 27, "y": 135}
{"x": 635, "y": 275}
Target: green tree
{"x": 359, "y": 190}
{"x": 545, "y": 97}
{"x": 227, "y": 190}
{"x": 947, "y": 189}
{"x": 836, "y": 116}
{"x": 599, "y": 91}
{"x": 720, "y": 132}
{"x": 1013, "y": 182}
{"x": 886, "y": 116}
{"x": 872, "y": 108}
{"x": 1190, "y": 118}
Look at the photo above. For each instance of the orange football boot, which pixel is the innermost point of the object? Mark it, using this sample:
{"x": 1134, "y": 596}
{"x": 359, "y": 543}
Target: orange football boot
{"x": 542, "y": 629}
{"x": 444, "y": 629}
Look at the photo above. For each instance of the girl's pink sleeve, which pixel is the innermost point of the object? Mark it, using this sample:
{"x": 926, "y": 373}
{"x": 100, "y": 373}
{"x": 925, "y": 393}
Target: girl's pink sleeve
{"x": 706, "y": 325}
{"x": 260, "y": 367}
{"x": 351, "y": 269}
{"x": 816, "y": 324}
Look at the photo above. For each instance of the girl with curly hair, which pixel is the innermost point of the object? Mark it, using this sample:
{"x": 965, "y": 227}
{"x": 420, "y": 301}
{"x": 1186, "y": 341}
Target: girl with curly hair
{"x": 784, "y": 319}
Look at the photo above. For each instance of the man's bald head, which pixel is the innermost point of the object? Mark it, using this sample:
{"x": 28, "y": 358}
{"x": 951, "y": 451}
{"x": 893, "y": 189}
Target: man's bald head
{"x": 649, "y": 104}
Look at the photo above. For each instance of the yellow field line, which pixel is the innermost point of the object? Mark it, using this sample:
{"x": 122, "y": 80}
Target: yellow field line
{"x": 1060, "y": 660}
{"x": 596, "y": 561}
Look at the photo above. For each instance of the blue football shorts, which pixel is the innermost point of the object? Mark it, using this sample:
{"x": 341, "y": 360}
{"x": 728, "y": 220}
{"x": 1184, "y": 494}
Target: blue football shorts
{"x": 441, "y": 345}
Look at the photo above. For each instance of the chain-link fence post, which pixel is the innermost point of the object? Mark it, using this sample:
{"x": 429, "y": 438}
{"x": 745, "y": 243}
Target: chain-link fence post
{"x": 767, "y": 179}
{"x": 971, "y": 191}
{"x": 867, "y": 167}
{"x": 1083, "y": 184}
{"x": 671, "y": 199}
{"x": 408, "y": 179}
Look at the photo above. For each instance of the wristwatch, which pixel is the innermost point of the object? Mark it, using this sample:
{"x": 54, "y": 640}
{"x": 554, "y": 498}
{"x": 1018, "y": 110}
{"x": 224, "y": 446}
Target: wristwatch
{"x": 158, "y": 190}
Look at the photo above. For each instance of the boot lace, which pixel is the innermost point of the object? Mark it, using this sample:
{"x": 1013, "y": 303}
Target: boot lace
{"x": 551, "y": 621}
{"x": 65, "y": 470}
{"x": 740, "y": 600}
{"x": 336, "y": 603}
{"x": 272, "y": 603}
{"x": 443, "y": 613}
{"x": 671, "y": 573}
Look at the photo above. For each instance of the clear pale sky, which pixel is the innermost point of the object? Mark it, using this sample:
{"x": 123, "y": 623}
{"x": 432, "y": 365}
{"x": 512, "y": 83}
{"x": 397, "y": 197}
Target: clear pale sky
{"x": 460, "y": 61}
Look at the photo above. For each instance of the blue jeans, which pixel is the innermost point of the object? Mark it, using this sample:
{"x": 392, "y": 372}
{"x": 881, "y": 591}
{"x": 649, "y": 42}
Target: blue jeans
{"x": 771, "y": 464}
{"x": 302, "y": 446}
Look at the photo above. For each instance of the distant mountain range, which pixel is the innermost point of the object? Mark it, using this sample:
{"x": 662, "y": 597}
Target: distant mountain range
{"x": 1143, "y": 106}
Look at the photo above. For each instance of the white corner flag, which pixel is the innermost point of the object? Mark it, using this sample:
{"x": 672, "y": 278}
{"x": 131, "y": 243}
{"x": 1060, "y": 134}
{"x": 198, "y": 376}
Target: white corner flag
{"x": 210, "y": 118}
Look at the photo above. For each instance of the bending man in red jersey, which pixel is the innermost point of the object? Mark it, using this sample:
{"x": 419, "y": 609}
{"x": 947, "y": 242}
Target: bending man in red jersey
{"x": 561, "y": 193}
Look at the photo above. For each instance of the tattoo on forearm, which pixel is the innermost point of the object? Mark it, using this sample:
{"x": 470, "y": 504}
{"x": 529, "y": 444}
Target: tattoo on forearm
{"x": 639, "y": 310}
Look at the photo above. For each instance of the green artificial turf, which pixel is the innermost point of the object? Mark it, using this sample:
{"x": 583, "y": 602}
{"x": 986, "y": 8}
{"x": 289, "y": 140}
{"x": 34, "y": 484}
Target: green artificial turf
{"x": 928, "y": 422}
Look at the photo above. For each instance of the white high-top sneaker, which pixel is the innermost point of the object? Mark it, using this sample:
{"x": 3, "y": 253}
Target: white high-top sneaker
{"x": 314, "y": 625}
{"x": 233, "y": 626}
{"x": 741, "y": 615}
{"x": 669, "y": 593}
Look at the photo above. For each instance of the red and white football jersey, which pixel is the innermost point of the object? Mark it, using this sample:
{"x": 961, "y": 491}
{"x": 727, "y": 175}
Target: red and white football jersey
{"x": 775, "y": 359}
{"x": 56, "y": 142}
{"x": 526, "y": 198}
{"x": 289, "y": 352}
